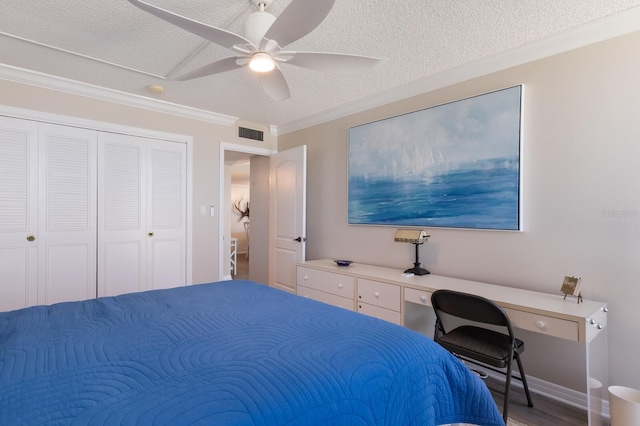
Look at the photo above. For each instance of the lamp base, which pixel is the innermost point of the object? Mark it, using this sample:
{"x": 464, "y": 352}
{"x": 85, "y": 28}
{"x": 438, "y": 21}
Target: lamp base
{"x": 417, "y": 270}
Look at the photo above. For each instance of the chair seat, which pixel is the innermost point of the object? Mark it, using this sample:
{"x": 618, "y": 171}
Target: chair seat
{"x": 481, "y": 344}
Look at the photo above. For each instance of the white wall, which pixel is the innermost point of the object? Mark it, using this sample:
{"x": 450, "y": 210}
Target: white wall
{"x": 581, "y": 198}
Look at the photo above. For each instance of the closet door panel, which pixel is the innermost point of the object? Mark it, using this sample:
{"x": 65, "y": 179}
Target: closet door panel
{"x": 70, "y": 272}
{"x": 122, "y": 237}
{"x": 67, "y": 214}
{"x": 166, "y": 215}
{"x": 18, "y": 213}
{"x": 166, "y": 263}
{"x": 121, "y": 267}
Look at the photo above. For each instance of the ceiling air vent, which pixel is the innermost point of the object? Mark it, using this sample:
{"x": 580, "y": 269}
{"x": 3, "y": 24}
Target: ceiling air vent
{"x": 246, "y": 133}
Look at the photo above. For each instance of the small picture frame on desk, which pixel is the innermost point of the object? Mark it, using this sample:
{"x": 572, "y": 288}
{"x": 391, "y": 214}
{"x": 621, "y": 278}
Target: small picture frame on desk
{"x": 571, "y": 287}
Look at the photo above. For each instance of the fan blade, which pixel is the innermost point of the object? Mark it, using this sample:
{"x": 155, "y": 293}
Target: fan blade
{"x": 274, "y": 84}
{"x": 217, "y": 67}
{"x": 298, "y": 19}
{"x": 337, "y": 62}
{"x": 218, "y": 36}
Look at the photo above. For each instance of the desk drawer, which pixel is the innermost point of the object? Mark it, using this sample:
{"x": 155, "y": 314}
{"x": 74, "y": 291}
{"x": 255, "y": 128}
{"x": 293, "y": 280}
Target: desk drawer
{"x": 328, "y": 298}
{"x": 379, "y": 294}
{"x": 378, "y": 312}
{"x": 563, "y": 329}
{"x": 328, "y": 282}
{"x": 421, "y": 297}
{"x": 519, "y": 319}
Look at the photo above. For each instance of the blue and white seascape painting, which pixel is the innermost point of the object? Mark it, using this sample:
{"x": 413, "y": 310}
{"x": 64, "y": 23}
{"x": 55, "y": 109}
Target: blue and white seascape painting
{"x": 455, "y": 165}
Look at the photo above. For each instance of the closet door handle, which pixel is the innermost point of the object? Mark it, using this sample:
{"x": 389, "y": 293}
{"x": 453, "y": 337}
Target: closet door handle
{"x": 150, "y": 234}
{"x": 31, "y": 237}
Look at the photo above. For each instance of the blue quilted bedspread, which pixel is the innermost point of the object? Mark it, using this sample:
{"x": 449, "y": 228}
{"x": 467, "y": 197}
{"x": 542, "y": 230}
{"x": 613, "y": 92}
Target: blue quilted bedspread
{"x": 229, "y": 353}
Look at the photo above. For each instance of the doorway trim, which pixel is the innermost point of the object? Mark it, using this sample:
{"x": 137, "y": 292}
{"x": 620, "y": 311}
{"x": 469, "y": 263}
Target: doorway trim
{"x": 223, "y": 204}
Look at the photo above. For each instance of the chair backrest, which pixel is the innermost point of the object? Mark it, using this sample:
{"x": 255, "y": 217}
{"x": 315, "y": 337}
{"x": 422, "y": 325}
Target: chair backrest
{"x": 469, "y": 307}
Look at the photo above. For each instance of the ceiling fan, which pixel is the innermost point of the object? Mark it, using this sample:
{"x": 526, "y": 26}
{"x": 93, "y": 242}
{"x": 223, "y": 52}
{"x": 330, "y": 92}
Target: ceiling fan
{"x": 261, "y": 48}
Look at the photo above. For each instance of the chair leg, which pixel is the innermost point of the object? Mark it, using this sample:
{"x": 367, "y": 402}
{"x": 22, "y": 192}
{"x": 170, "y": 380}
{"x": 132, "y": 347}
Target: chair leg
{"x": 507, "y": 386}
{"x": 524, "y": 380}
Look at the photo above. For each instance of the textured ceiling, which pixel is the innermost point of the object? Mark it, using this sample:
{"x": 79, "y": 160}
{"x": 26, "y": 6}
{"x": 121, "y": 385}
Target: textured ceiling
{"x": 112, "y": 44}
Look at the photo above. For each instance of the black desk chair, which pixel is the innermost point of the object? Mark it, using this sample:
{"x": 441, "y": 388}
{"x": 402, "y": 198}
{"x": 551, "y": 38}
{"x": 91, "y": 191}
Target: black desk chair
{"x": 474, "y": 343}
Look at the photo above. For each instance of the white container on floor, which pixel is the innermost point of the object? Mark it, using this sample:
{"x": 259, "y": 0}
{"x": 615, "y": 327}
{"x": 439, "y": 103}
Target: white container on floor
{"x": 624, "y": 406}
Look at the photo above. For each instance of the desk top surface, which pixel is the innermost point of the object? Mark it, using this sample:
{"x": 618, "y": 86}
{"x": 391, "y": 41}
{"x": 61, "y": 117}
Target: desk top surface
{"x": 508, "y": 297}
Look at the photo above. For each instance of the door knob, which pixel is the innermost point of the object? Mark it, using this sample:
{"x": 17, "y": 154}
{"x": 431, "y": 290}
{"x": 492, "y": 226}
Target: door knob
{"x": 299, "y": 239}
{"x": 150, "y": 234}
{"x": 31, "y": 237}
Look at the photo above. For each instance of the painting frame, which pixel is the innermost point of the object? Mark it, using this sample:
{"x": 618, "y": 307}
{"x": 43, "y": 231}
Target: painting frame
{"x": 452, "y": 165}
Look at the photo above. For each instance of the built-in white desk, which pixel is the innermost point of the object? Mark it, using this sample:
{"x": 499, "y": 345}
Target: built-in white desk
{"x": 385, "y": 293}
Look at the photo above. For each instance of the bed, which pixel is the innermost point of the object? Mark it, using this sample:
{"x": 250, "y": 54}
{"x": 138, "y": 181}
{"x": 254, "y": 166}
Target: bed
{"x": 227, "y": 353}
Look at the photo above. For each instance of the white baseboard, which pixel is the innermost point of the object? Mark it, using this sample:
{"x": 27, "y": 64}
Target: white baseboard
{"x": 553, "y": 391}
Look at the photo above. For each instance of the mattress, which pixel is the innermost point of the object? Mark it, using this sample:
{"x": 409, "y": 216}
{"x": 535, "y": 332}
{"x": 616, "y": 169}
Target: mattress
{"x": 227, "y": 353}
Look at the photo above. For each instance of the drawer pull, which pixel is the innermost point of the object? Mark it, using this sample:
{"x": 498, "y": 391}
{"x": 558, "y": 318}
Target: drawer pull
{"x": 599, "y": 326}
{"x": 340, "y": 285}
{"x": 592, "y": 321}
{"x": 306, "y": 277}
{"x": 377, "y": 294}
{"x": 541, "y": 325}
{"x": 423, "y": 299}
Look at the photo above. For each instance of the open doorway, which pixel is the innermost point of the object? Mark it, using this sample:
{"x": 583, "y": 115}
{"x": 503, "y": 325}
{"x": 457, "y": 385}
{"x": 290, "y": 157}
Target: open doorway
{"x": 244, "y": 179}
{"x": 240, "y": 219}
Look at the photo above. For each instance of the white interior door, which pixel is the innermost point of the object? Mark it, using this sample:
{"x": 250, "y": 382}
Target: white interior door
{"x": 122, "y": 204}
{"x": 166, "y": 214}
{"x": 18, "y": 213}
{"x": 288, "y": 175}
{"x": 67, "y": 214}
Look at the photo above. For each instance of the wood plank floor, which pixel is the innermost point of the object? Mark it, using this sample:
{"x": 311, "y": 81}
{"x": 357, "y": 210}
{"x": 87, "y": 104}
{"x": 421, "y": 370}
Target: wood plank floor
{"x": 545, "y": 411}
{"x": 242, "y": 267}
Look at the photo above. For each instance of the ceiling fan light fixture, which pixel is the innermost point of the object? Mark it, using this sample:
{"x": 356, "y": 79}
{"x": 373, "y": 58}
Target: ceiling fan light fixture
{"x": 262, "y": 62}
{"x": 265, "y": 38}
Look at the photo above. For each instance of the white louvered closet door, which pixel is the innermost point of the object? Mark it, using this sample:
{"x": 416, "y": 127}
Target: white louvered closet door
{"x": 166, "y": 214}
{"x": 122, "y": 204}
{"x": 67, "y": 226}
{"x": 142, "y": 214}
{"x": 18, "y": 213}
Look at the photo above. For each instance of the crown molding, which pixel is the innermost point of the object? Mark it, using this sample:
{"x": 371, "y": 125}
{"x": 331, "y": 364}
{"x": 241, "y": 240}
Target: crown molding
{"x": 73, "y": 87}
{"x": 593, "y": 32}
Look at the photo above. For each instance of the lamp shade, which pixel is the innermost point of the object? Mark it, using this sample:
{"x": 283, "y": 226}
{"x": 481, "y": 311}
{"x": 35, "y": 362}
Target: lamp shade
{"x": 414, "y": 236}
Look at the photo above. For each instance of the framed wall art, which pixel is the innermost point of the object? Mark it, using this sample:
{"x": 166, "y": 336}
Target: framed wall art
{"x": 455, "y": 165}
